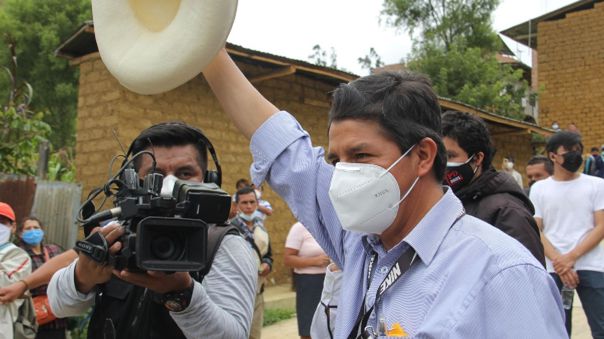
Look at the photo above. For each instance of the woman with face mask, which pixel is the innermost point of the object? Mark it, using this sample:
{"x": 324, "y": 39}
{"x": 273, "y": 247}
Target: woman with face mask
{"x": 31, "y": 236}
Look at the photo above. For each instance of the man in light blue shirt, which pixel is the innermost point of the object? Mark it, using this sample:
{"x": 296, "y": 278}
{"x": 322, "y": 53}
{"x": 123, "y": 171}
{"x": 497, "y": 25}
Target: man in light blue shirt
{"x": 414, "y": 263}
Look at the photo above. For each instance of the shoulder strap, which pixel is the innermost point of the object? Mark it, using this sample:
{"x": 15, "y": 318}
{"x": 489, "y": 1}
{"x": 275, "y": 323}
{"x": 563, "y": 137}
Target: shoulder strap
{"x": 215, "y": 235}
{"x": 46, "y": 255}
{"x": 250, "y": 240}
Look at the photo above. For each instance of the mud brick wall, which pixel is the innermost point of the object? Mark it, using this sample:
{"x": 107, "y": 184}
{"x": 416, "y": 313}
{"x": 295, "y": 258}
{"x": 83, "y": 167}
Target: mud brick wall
{"x": 571, "y": 73}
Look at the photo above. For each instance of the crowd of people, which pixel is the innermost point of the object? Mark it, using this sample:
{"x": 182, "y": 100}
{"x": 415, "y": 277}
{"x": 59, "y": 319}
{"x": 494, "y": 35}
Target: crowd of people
{"x": 478, "y": 257}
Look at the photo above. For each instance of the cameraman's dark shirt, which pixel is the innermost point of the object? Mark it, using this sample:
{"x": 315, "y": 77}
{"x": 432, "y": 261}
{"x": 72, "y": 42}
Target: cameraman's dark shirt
{"x": 133, "y": 312}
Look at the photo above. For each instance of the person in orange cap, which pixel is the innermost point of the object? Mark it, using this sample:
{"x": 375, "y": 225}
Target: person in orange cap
{"x": 7, "y": 222}
{"x": 15, "y": 265}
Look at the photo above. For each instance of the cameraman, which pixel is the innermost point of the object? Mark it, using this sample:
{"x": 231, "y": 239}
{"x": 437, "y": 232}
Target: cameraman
{"x": 125, "y": 306}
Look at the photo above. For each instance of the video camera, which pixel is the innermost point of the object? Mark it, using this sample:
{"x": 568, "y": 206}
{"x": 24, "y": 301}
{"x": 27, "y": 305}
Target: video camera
{"x": 161, "y": 233}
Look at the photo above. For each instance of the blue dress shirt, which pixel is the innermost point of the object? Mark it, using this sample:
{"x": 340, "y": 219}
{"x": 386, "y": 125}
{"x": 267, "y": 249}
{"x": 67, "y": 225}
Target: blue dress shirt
{"x": 473, "y": 281}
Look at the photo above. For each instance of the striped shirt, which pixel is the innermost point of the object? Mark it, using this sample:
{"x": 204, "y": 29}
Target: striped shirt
{"x": 472, "y": 281}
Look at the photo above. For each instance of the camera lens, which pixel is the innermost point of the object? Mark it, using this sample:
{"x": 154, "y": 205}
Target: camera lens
{"x": 167, "y": 247}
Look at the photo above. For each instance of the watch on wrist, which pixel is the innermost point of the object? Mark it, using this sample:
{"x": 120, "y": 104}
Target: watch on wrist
{"x": 178, "y": 301}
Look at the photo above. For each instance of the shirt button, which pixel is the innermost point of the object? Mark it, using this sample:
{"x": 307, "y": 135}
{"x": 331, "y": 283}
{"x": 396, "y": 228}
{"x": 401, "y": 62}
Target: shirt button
{"x": 372, "y": 316}
{"x": 383, "y": 269}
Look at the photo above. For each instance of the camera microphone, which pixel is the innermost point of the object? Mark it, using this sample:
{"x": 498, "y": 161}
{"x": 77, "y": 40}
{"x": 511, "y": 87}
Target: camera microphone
{"x": 102, "y": 216}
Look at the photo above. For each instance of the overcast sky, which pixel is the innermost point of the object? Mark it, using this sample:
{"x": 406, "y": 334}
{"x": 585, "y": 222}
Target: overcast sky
{"x": 291, "y": 28}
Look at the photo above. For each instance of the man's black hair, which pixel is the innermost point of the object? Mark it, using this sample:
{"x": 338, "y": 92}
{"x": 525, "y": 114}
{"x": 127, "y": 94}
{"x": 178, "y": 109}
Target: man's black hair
{"x": 242, "y": 181}
{"x": 403, "y": 104}
{"x": 563, "y": 138}
{"x": 170, "y": 134}
{"x": 541, "y": 159}
{"x": 594, "y": 149}
{"x": 471, "y": 133}
{"x": 245, "y": 190}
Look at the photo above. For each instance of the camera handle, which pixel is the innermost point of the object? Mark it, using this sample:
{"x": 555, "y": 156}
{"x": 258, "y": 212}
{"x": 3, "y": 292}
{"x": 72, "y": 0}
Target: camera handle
{"x": 96, "y": 247}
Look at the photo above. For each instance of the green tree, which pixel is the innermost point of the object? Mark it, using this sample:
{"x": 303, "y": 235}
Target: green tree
{"x": 321, "y": 58}
{"x": 473, "y": 77}
{"x": 456, "y": 47}
{"x": 443, "y": 22}
{"x": 21, "y": 130}
{"x": 371, "y": 60}
{"x": 38, "y": 28}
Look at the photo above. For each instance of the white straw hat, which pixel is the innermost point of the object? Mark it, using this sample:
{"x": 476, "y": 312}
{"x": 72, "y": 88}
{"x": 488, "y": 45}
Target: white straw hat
{"x": 153, "y": 46}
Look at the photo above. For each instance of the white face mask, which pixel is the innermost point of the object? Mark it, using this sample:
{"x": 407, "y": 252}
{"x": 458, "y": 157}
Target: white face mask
{"x": 246, "y": 217}
{"x": 168, "y": 186}
{"x": 366, "y": 196}
{"x": 5, "y": 232}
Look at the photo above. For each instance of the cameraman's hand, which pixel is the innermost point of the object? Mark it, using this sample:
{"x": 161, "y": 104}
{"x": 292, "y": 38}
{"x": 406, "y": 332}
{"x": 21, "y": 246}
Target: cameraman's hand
{"x": 159, "y": 282}
{"x": 89, "y": 273}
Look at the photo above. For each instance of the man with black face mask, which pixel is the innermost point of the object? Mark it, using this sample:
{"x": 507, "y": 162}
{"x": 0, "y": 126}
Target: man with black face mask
{"x": 485, "y": 193}
{"x": 569, "y": 209}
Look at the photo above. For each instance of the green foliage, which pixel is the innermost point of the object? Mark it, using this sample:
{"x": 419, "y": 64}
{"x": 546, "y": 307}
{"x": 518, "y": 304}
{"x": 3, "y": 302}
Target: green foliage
{"x": 321, "y": 58}
{"x": 38, "y": 28}
{"x": 457, "y": 50}
{"x": 371, "y": 60}
{"x": 443, "y": 22}
{"x": 78, "y": 326}
{"x": 276, "y": 315}
{"x": 473, "y": 77}
{"x": 20, "y": 132}
{"x": 61, "y": 166}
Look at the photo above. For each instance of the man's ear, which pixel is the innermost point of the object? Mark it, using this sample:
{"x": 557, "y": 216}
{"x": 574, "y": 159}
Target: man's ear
{"x": 426, "y": 152}
{"x": 478, "y": 159}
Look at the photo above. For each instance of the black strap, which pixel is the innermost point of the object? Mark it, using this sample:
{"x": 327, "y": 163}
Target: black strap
{"x": 328, "y": 317}
{"x": 215, "y": 235}
{"x": 397, "y": 270}
{"x": 250, "y": 240}
{"x": 401, "y": 266}
{"x": 95, "y": 246}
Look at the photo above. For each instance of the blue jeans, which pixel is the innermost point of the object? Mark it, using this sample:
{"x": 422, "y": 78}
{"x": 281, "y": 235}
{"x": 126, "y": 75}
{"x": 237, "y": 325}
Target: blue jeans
{"x": 591, "y": 293}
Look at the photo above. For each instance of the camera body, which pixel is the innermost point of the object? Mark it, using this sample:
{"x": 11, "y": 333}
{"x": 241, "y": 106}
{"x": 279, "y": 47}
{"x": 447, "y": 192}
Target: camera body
{"x": 165, "y": 233}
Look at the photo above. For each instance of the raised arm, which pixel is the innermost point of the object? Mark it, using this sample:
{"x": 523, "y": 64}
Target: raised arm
{"x": 246, "y": 107}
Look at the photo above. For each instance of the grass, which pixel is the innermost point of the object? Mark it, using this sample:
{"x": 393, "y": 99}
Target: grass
{"x": 276, "y": 315}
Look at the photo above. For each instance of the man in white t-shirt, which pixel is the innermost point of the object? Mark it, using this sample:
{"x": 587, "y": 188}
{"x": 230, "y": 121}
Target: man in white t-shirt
{"x": 569, "y": 209}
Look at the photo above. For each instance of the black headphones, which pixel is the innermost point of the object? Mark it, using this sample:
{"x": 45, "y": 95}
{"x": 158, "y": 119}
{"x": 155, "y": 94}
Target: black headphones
{"x": 210, "y": 176}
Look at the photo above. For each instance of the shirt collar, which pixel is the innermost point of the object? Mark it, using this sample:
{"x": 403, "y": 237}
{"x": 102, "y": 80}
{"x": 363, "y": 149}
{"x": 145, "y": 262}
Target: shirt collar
{"x": 428, "y": 234}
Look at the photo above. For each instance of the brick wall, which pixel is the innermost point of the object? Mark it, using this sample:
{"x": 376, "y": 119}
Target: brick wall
{"x": 571, "y": 72}
{"x": 516, "y": 145}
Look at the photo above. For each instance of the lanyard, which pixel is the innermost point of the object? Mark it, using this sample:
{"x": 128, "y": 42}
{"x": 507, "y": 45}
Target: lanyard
{"x": 402, "y": 265}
